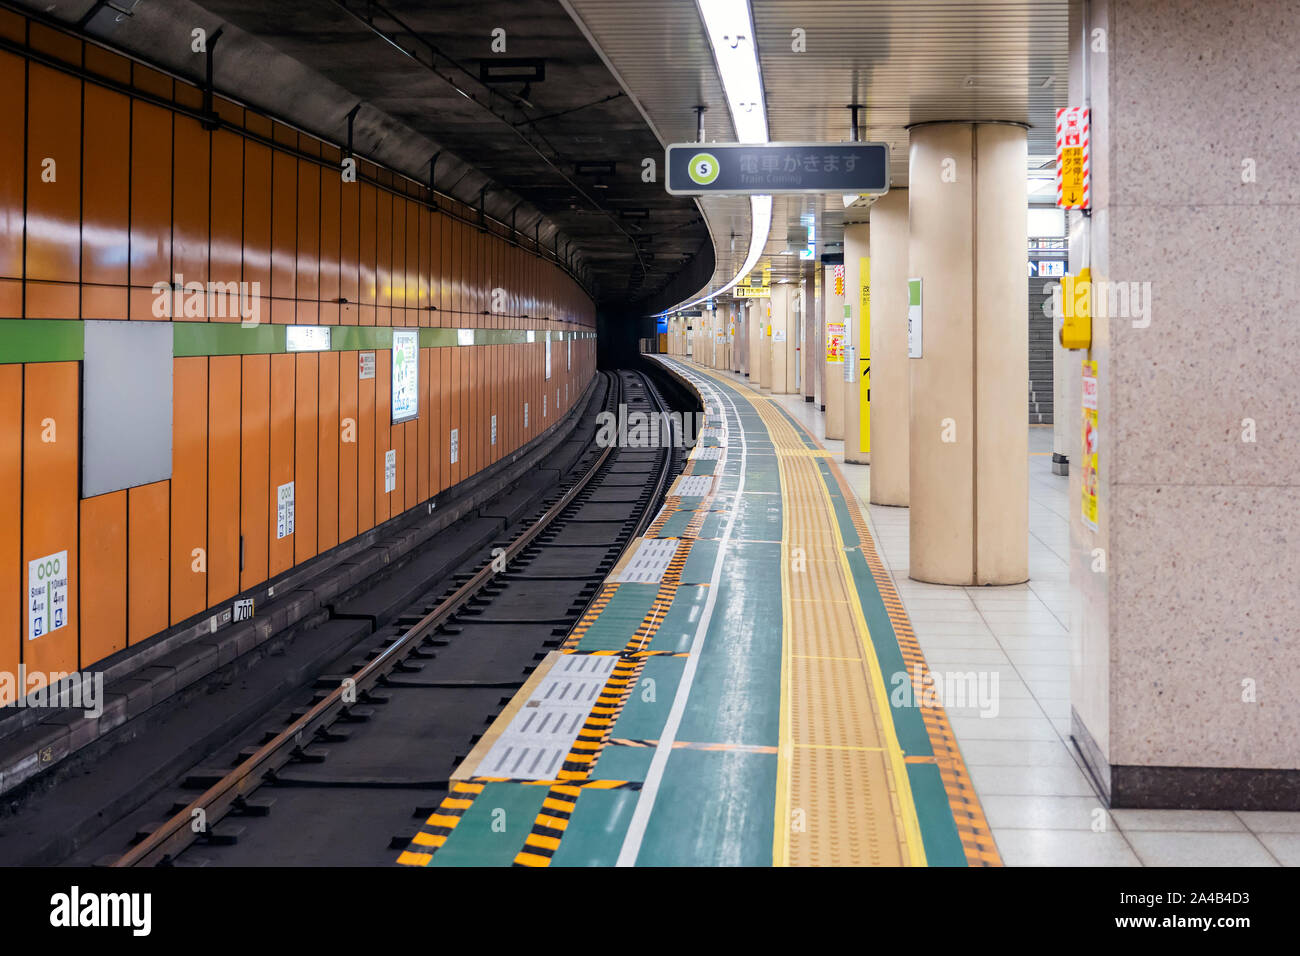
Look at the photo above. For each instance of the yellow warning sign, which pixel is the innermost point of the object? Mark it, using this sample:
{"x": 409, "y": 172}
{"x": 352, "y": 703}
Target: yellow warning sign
{"x": 1088, "y": 448}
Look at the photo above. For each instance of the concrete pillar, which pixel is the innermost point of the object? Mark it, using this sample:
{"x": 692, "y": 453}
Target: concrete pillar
{"x": 794, "y": 333}
{"x": 764, "y": 309}
{"x": 817, "y": 329}
{"x": 780, "y": 339}
{"x": 754, "y": 332}
{"x": 968, "y": 479}
{"x": 1185, "y": 642}
{"x": 833, "y": 391}
{"x": 857, "y": 279}
{"x": 891, "y": 388}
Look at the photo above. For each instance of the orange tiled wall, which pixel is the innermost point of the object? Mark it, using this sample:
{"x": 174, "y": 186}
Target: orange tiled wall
{"x": 142, "y": 193}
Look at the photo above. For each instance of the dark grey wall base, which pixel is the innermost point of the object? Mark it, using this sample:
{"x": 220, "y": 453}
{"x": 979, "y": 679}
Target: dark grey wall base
{"x": 807, "y": 398}
{"x": 1186, "y": 788}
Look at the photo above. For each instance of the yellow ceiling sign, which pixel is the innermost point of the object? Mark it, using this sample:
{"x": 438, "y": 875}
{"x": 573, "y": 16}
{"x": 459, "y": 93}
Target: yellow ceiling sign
{"x": 752, "y": 292}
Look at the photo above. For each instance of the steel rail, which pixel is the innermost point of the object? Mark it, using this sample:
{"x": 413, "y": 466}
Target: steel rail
{"x": 174, "y": 835}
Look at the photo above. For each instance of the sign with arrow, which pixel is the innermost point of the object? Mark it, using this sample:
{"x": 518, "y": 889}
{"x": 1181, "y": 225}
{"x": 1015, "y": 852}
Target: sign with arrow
{"x": 1073, "y": 170}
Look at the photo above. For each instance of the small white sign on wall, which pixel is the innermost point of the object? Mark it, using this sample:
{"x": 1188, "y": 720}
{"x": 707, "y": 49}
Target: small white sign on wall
{"x": 390, "y": 470}
{"x": 366, "y": 364}
{"x": 494, "y": 429}
{"x": 455, "y": 445}
{"x": 525, "y": 414}
{"x": 914, "y": 318}
{"x": 284, "y": 510}
{"x": 548, "y": 356}
{"x": 47, "y": 594}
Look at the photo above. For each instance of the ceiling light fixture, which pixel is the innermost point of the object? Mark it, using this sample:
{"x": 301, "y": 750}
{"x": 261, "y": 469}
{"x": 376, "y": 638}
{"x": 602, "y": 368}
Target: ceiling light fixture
{"x": 730, "y": 26}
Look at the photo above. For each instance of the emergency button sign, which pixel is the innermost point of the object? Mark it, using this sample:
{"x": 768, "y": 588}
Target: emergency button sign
{"x": 47, "y": 594}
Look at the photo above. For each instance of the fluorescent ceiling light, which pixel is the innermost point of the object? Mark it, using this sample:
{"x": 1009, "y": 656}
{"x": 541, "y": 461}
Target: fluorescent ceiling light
{"x": 730, "y": 26}
{"x": 731, "y": 33}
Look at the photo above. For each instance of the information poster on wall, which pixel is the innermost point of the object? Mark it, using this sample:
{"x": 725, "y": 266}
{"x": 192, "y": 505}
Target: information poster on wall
{"x": 47, "y": 594}
{"x": 406, "y": 374}
{"x": 913, "y": 318}
{"x": 548, "y": 355}
{"x": 284, "y": 510}
{"x": 455, "y": 445}
{"x": 494, "y": 429}
{"x": 834, "y": 342}
{"x": 390, "y": 471}
{"x": 366, "y": 367}
{"x": 1090, "y": 480}
{"x": 570, "y": 344}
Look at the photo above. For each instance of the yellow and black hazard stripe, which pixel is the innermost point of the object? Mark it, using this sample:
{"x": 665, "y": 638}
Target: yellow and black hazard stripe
{"x": 601, "y": 719}
{"x": 668, "y": 586}
{"x": 670, "y": 507}
{"x": 554, "y": 816}
{"x": 433, "y": 834}
{"x": 972, "y": 827}
{"x": 603, "y": 597}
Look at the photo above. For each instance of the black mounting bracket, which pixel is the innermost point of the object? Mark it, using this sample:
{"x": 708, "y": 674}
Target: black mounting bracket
{"x": 211, "y": 120}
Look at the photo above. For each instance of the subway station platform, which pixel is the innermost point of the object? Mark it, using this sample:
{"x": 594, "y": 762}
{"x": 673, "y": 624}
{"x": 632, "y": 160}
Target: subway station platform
{"x": 726, "y": 700}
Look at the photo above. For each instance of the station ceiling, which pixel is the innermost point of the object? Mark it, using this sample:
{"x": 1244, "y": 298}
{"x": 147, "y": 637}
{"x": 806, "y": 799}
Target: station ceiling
{"x": 559, "y": 155}
{"x": 562, "y": 155}
{"x": 904, "y": 61}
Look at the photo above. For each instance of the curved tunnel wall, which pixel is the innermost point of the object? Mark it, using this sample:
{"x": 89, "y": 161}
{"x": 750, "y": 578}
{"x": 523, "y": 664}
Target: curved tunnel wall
{"x": 140, "y": 193}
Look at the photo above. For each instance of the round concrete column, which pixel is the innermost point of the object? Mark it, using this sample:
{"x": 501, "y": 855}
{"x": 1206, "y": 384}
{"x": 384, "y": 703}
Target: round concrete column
{"x": 890, "y": 378}
{"x": 857, "y": 253}
{"x": 968, "y": 436}
{"x": 780, "y": 339}
{"x": 763, "y": 309}
{"x": 833, "y": 386}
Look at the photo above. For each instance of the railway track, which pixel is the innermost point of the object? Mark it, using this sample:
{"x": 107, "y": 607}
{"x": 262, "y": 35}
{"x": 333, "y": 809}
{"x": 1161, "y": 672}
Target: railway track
{"x": 350, "y": 771}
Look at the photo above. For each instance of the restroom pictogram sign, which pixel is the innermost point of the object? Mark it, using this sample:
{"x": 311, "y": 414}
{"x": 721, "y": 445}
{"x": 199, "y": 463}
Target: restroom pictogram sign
{"x": 1073, "y": 169}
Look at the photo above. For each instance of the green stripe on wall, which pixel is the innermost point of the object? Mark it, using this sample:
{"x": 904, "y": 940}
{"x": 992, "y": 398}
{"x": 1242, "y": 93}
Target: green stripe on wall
{"x": 351, "y": 338}
{"x": 63, "y": 340}
{"x": 225, "y": 338}
{"x": 41, "y": 340}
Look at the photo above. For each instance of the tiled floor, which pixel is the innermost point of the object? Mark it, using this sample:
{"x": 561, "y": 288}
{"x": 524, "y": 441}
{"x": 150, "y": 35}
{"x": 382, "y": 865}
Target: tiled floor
{"x": 1038, "y": 800}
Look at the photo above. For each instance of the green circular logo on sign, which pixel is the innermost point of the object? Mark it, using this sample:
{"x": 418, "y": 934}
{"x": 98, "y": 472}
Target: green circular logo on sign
{"x": 703, "y": 168}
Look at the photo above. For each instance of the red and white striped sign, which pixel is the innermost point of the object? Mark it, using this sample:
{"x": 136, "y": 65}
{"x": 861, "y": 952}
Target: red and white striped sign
{"x": 1073, "y": 167}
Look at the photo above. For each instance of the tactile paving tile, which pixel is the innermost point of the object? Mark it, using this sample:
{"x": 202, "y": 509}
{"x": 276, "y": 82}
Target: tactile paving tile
{"x": 649, "y": 562}
{"x": 693, "y": 486}
{"x": 535, "y": 743}
{"x": 843, "y": 797}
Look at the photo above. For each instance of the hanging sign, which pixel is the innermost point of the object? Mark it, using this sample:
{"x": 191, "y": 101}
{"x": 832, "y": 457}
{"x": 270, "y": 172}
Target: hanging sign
{"x": 744, "y": 169}
{"x": 1073, "y": 174}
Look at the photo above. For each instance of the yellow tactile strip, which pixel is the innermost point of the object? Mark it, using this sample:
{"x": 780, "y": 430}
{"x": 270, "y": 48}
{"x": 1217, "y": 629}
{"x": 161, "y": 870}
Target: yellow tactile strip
{"x": 972, "y": 827}
{"x": 843, "y": 797}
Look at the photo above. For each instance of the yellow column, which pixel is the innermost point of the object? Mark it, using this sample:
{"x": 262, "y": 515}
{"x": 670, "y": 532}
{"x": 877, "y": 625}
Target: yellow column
{"x": 857, "y": 252}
